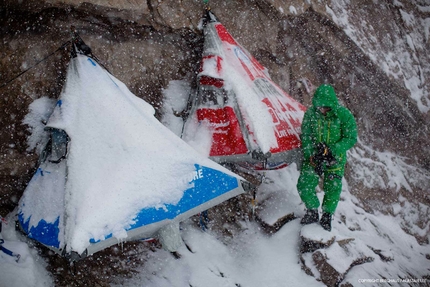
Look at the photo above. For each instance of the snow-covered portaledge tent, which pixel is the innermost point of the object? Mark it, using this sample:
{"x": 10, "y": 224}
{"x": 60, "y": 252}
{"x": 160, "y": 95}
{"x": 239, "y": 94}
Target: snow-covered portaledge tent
{"x": 250, "y": 119}
{"x": 111, "y": 172}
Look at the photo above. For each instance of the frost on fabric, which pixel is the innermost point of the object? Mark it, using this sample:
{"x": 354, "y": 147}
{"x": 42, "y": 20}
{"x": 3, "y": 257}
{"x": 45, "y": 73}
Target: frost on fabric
{"x": 121, "y": 158}
{"x": 39, "y": 112}
{"x": 175, "y": 99}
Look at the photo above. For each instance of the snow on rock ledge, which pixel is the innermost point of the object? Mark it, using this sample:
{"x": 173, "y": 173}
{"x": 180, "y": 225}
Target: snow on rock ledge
{"x": 329, "y": 260}
{"x": 313, "y": 237}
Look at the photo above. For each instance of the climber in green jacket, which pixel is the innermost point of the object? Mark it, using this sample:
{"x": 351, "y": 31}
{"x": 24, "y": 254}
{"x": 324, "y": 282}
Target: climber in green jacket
{"x": 328, "y": 131}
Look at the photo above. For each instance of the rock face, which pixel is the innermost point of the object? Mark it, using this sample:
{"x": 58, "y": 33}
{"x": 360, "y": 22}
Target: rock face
{"x": 330, "y": 259}
{"x": 374, "y": 53}
{"x": 147, "y": 44}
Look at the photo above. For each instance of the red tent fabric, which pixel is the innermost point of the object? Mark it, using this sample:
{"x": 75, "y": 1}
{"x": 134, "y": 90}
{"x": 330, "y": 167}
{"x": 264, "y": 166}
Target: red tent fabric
{"x": 229, "y": 80}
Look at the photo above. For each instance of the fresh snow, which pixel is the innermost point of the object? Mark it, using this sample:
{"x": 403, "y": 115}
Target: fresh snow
{"x": 40, "y": 110}
{"x": 121, "y": 160}
{"x": 257, "y": 117}
{"x": 399, "y": 58}
{"x": 30, "y": 270}
{"x": 252, "y": 258}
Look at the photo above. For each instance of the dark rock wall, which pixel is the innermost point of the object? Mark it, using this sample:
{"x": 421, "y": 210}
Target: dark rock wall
{"x": 148, "y": 44}
{"x": 381, "y": 106}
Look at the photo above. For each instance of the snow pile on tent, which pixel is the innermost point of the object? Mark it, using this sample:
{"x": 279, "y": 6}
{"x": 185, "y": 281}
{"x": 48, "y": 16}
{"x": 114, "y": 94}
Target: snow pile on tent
{"x": 249, "y": 118}
{"x": 111, "y": 171}
{"x": 30, "y": 269}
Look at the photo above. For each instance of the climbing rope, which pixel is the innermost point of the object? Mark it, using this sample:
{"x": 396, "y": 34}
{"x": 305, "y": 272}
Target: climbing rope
{"x": 37, "y": 63}
{"x": 77, "y": 44}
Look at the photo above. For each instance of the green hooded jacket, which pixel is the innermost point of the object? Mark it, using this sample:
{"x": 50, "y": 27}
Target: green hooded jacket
{"x": 337, "y": 128}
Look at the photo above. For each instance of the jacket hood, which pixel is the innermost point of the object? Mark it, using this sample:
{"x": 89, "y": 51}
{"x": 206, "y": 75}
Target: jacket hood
{"x": 325, "y": 96}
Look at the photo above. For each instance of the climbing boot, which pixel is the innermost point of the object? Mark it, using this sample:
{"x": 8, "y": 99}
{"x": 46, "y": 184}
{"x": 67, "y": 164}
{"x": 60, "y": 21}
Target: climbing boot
{"x": 326, "y": 221}
{"x": 311, "y": 216}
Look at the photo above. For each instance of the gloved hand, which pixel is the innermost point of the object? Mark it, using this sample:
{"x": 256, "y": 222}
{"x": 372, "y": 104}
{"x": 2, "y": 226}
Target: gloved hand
{"x": 325, "y": 154}
{"x": 321, "y": 157}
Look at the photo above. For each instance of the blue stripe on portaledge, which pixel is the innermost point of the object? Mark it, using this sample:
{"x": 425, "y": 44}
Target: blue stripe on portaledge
{"x": 92, "y": 62}
{"x": 211, "y": 184}
{"x": 45, "y": 232}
